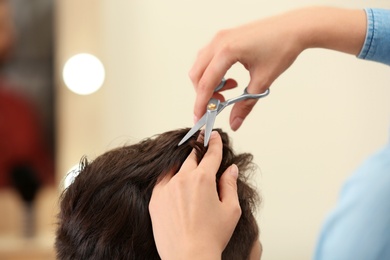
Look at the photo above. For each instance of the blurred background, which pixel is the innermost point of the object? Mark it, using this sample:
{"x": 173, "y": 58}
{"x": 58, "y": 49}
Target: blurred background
{"x": 27, "y": 129}
{"x": 324, "y": 116}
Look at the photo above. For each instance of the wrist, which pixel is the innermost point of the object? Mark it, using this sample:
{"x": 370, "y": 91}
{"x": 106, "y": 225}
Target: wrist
{"x": 194, "y": 252}
{"x": 329, "y": 28}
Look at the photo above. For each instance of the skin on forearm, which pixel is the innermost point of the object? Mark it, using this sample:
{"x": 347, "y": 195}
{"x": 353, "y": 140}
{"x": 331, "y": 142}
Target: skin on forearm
{"x": 331, "y": 28}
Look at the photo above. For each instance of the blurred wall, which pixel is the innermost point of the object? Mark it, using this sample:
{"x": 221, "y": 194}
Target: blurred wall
{"x": 31, "y": 63}
{"x": 323, "y": 116}
{"x": 27, "y": 132}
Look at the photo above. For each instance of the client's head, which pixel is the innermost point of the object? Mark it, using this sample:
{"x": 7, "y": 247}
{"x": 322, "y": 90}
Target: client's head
{"x": 104, "y": 212}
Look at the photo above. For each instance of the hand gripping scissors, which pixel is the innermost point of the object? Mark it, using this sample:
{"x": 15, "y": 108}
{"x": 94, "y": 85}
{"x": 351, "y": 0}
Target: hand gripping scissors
{"x": 214, "y": 107}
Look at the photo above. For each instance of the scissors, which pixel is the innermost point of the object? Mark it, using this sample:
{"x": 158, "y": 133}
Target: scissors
{"x": 214, "y": 107}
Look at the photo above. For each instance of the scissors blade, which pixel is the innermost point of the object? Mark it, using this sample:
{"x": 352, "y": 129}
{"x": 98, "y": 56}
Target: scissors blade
{"x": 194, "y": 129}
{"x": 211, "y": 114}
{"x": 206, "y": 117}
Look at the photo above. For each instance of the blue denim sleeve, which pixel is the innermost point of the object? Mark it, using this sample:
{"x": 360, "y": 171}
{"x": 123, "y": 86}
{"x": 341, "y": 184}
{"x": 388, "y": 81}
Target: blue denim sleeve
{"x": 359, "y": 227}
{"x": 377, "y": 43}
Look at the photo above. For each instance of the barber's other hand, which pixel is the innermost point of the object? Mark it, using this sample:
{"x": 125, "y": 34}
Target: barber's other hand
{"x": 190, "y": 220}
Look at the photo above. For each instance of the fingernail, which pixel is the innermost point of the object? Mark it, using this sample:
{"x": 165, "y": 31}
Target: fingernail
{"x": 237, "y": 122}
{"x": 234, "y": 171}
{"x": 213, "y": 134}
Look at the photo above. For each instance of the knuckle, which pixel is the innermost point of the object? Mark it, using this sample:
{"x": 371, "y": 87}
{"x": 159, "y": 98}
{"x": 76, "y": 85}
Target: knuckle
{"x": 192, "y": 75}
{"x": 225, "y": 43}
{"x": 225, "y": 40}
{"x": 221, "y": 35}
{"x": 227, "y": 48}
{"x": 201, "y": 173}
{"x": 202, "y": 176}
{"x": 180, "y": 181}
{"x": 227, "y": 53}
{"x": 201, "y": 52}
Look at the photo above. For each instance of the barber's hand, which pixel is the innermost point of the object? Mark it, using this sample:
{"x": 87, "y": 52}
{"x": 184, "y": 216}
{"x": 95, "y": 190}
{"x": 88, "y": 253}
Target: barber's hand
{"x": 268, "y": 47}
{"x": 190, "y": 220}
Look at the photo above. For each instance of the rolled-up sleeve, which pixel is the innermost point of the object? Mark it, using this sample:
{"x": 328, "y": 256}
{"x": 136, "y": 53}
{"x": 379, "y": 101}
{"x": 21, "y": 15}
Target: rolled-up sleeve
{"x": 377, "y": 43}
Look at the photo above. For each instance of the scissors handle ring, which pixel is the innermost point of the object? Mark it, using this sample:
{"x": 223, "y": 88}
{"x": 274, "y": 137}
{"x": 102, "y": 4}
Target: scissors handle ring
{"x": 221, "y": 85}
{"x": 247, "y": 95}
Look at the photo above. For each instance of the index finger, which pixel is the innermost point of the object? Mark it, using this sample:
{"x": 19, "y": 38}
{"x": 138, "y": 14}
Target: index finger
{"x": 213, "y": 157}
{"x": 211, "y": 77}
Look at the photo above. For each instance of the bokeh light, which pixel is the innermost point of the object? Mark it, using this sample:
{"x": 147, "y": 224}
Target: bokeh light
{"x": 83, "y": 74}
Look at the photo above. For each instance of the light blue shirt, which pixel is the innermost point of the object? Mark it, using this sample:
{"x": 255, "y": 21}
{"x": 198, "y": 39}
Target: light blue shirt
{"x": 376, "y": 46}
{"x": 359, "y": 226}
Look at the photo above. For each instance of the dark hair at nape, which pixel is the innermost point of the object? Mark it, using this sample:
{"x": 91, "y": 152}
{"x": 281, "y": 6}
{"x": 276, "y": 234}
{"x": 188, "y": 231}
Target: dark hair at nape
{"x": 104, "y": 212}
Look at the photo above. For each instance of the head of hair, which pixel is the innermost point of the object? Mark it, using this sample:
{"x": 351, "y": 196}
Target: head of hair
{"x": 104, "y": 213}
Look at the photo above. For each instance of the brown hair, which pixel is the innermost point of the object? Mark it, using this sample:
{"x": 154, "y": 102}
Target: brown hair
{"x": 104, "y": 212}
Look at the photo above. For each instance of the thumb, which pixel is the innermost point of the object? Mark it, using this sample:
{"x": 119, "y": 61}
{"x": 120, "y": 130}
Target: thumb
{"x": 228, "y": 185}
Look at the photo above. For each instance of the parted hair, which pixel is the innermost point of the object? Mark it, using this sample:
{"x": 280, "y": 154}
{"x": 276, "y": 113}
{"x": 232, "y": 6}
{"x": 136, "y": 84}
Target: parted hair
{"x": 104, "y": 213}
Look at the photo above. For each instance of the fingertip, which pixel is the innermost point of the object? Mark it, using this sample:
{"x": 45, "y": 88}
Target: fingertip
{"x": 228, "y": 184}
{"x": 215, "y": 140}
{"x": 233, "y": 171}
{"x": 240, "y": 111}
{"x": 236, "y": 123}
{"x": 212, "y": 159}
{"x": 214, "y": 134}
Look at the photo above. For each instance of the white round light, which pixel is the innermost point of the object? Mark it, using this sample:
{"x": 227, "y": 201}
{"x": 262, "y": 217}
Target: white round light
{"x": 83, "y": 74}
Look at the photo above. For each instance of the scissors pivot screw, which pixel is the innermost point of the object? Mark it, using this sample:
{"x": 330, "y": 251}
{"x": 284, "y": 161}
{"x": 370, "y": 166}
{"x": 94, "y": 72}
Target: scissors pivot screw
{"x": 212, "y": 106}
